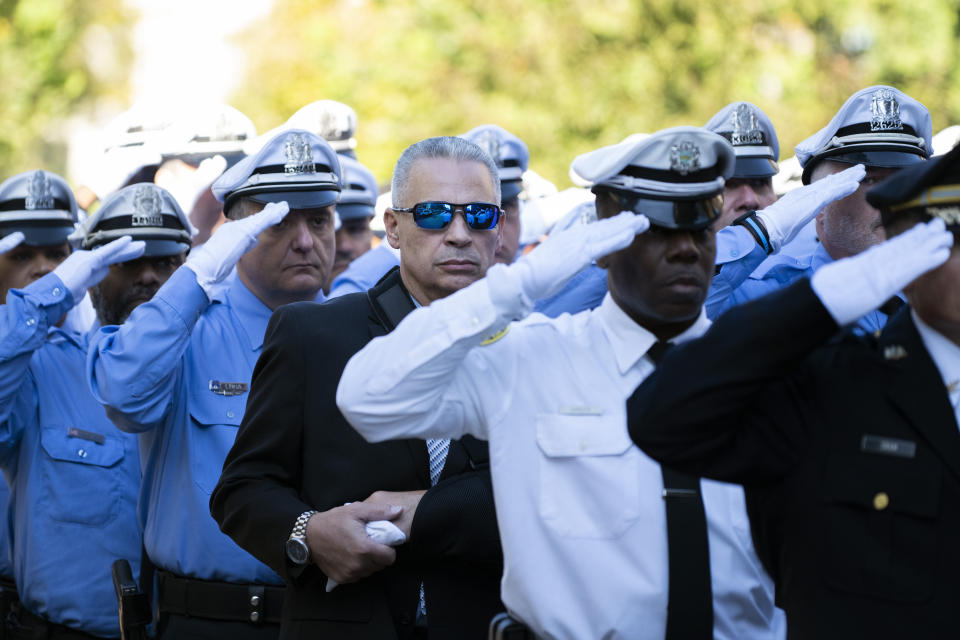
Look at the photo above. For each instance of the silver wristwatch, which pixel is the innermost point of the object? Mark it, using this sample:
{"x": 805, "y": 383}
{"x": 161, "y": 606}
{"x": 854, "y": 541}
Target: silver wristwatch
{"x": 296, "y": 544}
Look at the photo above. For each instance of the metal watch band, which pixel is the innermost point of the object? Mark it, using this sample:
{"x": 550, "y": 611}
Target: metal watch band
{"x": 300, "y": 526}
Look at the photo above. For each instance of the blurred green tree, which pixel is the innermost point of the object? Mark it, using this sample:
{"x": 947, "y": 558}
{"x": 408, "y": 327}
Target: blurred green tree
{"x": 56, "y": 56}
{"x": 570, "y": 76}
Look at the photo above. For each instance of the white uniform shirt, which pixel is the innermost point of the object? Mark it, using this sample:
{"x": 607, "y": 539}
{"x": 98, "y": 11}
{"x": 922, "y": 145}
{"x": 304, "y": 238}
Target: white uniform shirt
{"x": 946, "y": 355}
{"x": 581, "y": 517}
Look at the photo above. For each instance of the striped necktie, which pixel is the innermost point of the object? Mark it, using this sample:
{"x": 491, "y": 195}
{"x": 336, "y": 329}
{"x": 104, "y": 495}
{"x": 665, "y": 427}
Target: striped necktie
{"x": 437, "y": 449}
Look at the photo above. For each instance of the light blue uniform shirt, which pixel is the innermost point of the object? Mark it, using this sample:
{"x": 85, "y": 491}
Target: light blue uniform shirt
{"x": 781, "y": 270}
{"x": 157, "y": 374}
{"x": 365, "y": 271}
{"x": 73, "y": 475}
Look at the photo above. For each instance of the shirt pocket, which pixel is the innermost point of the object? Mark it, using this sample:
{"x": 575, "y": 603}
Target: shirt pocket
{"x": 882, "y": 535}
{"x": 589, "y": 475}
{"x": 218, "y": 418}
{"x": 80, "y": 476}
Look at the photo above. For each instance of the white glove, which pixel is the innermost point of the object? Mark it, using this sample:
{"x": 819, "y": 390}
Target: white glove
{"x": 546, "y": 269}
{"x": 213, "y": 261}
{"x": 382, "y": 531}
{"x": 83, "y": 269}
{"x": 853, "y": 287}
{"x": 11, "y": 241}
{"x": 787, "y": 216}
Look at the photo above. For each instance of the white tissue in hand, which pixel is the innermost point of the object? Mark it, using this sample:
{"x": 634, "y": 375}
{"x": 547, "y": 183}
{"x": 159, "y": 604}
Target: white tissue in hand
{"x": 382, "y": 531}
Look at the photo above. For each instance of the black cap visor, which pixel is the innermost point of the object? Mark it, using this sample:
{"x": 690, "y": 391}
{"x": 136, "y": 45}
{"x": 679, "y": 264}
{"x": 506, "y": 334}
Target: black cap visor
{"x": 306, "y": 197}
{"x": 354, "y": 211}
{"x": 886, "y": 158}
{"x": 688, "y": 214}
{"x": 39, "y": 235}
{"x": 754, "y": 167}
{"x": 510, "y": 189}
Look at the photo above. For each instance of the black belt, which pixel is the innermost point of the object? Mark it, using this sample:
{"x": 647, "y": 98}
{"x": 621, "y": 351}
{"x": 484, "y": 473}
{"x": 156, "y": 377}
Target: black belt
{"x": 255, "y": 603}
{"x": 23, "y": 625}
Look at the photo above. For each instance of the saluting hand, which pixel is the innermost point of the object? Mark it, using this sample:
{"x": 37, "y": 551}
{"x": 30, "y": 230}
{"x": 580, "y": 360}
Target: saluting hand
{"x": 11, "y": 241}
{"x": 213, "y": 261}
{"x": 787, "y": 216}
{"x": 83, "y": 269}
{"x": 545, "y": 270}
{"x": 339, "y": 543}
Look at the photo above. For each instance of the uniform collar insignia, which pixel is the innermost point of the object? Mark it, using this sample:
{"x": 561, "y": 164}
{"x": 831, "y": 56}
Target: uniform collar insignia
{"x": 490, "y": 143}
{"x": 885, "y": 112}
{"x": 684, "y": 157}
{"x": 146, "y": 207}
{"x": 746, "y": 127}
{"x": 894, "y": 352}
{"x": 299, "y": 155}
{"x": 39, "y": 195}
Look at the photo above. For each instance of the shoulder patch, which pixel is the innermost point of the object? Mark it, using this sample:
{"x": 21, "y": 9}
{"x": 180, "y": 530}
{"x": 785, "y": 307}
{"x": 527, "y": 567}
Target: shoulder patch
{"x": 496, "y": 336}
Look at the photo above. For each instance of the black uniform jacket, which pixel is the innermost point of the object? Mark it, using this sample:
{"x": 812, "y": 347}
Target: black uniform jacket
{"x": 295, "y": 452}
{"x": 849, "y": 452}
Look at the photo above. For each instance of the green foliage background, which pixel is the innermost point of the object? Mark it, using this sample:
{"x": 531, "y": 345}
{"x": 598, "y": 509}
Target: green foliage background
{"x": 48, "y": 51}
{"x": 570, "y": 76}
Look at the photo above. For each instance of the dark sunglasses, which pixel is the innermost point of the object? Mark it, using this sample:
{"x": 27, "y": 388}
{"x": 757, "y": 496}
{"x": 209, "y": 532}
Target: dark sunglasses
{"x": 481, "y": 216}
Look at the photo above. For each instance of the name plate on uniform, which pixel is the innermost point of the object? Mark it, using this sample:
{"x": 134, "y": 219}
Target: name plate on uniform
{"x": 228, "y": 388}
{"x": 73, "y": 432}
{"x": 885, "y": 446}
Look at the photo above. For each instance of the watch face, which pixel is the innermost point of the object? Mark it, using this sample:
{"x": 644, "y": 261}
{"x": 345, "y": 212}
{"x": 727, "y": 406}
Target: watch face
{"x": 297, "y": 551}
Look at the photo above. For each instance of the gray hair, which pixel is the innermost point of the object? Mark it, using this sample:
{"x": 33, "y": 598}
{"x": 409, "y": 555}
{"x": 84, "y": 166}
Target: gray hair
{"x": 456, "y": 149}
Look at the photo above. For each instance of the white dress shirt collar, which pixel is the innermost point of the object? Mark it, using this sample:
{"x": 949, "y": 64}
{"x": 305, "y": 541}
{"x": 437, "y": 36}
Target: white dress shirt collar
{"x": 944, "y": 353}
{"x": 629, "y": 340}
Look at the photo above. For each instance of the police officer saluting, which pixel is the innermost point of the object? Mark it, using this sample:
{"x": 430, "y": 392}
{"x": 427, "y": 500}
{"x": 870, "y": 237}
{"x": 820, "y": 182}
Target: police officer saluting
{"x": 74, "y": 476}
{"x": 178, "y": 372}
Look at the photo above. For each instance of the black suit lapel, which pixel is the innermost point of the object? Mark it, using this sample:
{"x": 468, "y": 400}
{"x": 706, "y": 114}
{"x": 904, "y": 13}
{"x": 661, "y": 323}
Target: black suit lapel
{"x": 916, "y": 388}
{"x": 390, "y": 303}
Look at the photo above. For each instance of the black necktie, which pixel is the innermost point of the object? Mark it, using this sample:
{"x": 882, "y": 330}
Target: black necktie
{"x": 690, "y": 600}
{"x": 891, "y": 306}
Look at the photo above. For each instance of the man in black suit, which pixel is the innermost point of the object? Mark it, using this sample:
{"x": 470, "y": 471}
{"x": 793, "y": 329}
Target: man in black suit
{"x": 848, "y": 448}
{"x": 300, "y": 485}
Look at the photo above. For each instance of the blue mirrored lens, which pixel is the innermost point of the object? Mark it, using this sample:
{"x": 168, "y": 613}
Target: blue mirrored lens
{"x": 432, "y": 215}
{"x": 481, "y": 216}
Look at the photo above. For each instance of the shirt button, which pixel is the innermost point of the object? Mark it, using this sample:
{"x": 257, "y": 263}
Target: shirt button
{"x": 230, "y": 414}
{"x": 82, "y": 453}
{"x": 735, "y": 253}
{"x": 56, "y": 291}
{"x": 881, "y": 501}
{"x": 31, "y": 322}
{"x": 255, "y": 601}
{"x": 254, "y": 616}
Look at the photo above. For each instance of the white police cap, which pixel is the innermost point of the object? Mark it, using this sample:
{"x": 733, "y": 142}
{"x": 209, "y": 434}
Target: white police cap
{"x": 145, "y": 212}
{"x": 358, "y": 197}
{"x": 879, "y": 126}
{"x": 204, "y": 131}
{"x": 680, "y": 164}
{"x": 753, "y": 137}
{"x": 508, "y": 152}
{"x": 333, "y": 121}
{"x": 39, "y": 204}
{"x": 295, "y": 166}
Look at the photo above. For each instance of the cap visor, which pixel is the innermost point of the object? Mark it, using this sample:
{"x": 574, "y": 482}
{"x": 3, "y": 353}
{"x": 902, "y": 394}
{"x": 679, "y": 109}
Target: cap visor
{"x": 354, "y": 211}
{"x": 509, "y": 190}
{"x": 41, "y": 236}
{"x": 312, "y": 199}
{"x": 754, "y": 167}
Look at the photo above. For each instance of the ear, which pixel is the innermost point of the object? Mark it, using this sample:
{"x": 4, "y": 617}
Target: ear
{"x": 392, "y": 225}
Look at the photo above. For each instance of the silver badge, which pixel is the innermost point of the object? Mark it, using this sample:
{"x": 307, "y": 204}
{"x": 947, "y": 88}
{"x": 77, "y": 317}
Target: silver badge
{"x": 684, "y": 157}
{"x": 146, "y": 207}
{"x": 335, "y": 125}
{"x": 38, "y": 192}
{"x": 299, "y": 155}
{"x": 894, "y": 352}
{"x": 228, "y": 388}
{"x": 490, "y": 143}
{"x": 746, "y": 127}
{"x": 885, "y": 112}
